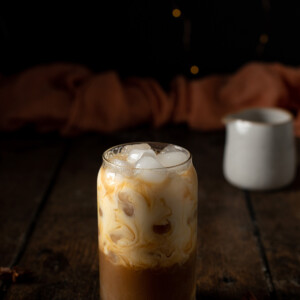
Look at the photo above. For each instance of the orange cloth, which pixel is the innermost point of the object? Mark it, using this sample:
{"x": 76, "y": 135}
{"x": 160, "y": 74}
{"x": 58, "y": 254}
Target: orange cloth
{"x": 71, "y": 99}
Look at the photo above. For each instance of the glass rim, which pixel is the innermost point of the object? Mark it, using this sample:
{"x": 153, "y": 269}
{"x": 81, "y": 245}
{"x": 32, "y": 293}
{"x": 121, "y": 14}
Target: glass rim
{"x": 150, "y": 143}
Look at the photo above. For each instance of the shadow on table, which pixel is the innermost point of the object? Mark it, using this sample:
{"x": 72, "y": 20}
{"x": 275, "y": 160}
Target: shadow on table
{"x": 214, "y": 295}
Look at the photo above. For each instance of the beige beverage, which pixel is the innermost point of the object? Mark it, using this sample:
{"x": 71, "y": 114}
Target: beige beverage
{"x": 147, "y": 221}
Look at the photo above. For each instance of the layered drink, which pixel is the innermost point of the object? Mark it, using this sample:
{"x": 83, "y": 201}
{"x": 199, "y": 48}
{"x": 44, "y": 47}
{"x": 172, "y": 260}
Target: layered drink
{"x": 147, "y": 220}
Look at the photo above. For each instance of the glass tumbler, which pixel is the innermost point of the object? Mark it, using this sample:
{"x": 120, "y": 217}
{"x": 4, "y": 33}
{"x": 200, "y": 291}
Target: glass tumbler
{"x": 147, "y": 222}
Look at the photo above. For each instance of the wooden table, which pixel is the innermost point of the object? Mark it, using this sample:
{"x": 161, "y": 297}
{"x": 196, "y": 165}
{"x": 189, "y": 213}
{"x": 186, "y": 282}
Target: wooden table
{"x": 248, "y": 242}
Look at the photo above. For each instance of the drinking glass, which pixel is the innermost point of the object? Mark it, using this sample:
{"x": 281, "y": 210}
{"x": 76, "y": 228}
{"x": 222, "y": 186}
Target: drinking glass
{"x": 147, "y": 222}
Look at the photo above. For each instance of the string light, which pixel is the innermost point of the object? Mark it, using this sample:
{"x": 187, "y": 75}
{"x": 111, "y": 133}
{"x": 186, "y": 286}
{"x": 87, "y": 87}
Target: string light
{"x": 176, "y": 13}
{"x": 264, "y": 38}
{"x": 194, "y": 69}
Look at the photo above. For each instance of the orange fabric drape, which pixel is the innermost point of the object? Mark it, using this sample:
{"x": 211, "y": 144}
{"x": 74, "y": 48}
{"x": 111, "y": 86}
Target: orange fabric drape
{"x": 70, "y": 98}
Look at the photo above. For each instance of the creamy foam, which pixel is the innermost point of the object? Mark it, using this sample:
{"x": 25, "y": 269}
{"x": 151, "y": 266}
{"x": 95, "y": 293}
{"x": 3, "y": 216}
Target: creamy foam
{"x": 147, "y": 217}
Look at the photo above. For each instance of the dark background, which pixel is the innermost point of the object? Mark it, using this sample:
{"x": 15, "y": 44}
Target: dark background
{"x": 142, "y": 38}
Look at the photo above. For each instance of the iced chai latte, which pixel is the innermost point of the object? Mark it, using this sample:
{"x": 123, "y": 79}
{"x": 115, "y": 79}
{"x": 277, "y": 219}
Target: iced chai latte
{"x": 147, "y": 219}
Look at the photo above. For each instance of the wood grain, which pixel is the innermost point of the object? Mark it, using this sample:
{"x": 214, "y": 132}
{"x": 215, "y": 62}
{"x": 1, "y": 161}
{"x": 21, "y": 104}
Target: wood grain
{"x": 27, "y": 166}
{"x": 63, "y": 252}
{"x": 278, "y": 217}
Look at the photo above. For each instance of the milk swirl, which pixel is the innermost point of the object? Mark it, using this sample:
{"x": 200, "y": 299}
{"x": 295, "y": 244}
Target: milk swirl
{"x": 147, "y": 210}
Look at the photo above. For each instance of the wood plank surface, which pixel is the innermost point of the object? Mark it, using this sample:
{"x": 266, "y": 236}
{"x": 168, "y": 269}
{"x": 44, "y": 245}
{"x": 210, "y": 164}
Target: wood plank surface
{"x": 278, "y": 217}
{"x": 27, "y": 166}
{"x": 62, "y": 250}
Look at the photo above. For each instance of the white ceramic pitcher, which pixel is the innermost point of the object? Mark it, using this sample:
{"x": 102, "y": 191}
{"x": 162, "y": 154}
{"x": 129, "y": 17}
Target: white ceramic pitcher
{"x": 260, "y": 149}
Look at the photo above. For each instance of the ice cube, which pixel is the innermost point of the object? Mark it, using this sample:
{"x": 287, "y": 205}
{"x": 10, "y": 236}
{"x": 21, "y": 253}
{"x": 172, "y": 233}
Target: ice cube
{"x": 150, "y": 169}
{"x": 171, "y": 148}
{"x": 170, "y": 159}
{"x": 153, "y": 176}
{"x": 148, "y": 162}
{"x": 125, "y": 203}
{"x": 121, "y": 167}
{"x": 129, "y": 148}
{"x": 111, "y": 177}
{"x": 136, "y": 154}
